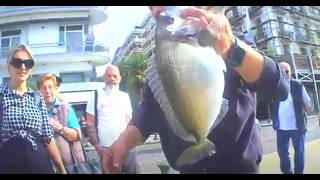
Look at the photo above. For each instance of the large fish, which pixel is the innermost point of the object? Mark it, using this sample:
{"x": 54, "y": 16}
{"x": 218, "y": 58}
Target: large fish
{"x": 187, "y": 80}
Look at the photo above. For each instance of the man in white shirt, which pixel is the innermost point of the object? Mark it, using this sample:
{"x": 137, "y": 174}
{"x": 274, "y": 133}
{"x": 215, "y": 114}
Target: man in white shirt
{"x": 114, "y": 112}
{"x": 290, "y": 123}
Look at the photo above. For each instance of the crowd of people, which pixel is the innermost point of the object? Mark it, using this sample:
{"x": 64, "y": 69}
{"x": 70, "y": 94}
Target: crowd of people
{"x": 47, "y": 129}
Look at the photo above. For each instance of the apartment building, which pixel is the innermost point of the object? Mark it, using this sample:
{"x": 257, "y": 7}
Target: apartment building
{"x": 286, "y": 33}
{"x": 62, "y": 41}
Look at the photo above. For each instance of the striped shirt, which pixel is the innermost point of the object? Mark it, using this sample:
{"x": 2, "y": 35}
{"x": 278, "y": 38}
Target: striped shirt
{"x": 23, "y": 116}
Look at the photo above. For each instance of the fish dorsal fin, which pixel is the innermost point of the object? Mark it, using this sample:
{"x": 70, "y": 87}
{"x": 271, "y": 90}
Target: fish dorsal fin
{"x": 156, "y": 86}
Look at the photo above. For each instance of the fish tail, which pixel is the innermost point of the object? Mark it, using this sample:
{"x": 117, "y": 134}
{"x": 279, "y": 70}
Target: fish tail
{"x": 196, "y": 153}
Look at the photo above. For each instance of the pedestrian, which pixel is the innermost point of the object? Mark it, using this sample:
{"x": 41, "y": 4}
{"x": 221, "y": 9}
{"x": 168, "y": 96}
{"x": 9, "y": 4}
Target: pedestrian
{"x": 111, "y": 118}
{"x": 26, "y": 135}
{"x": 236, "y": 137}
{"x": 64, "y": 122}
{"x": 290, "y": 123}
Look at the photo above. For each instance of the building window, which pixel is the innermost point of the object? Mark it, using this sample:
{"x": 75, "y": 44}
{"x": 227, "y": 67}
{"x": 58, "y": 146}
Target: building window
{"x": 318, "y": 33}
{"x": 303, "y": 51}
{"x": 61, "y": 35}
{"x": 296, "y": 8}
{"x": 72, "y": 37}
{"x": 279, "y": 18}
{"x": 9, "y": 39}
{"x": 314, "y": 52}
{"x": 286, "y": 49}
{"x": 314, "y": 11}
{"x": 72, "y": 77}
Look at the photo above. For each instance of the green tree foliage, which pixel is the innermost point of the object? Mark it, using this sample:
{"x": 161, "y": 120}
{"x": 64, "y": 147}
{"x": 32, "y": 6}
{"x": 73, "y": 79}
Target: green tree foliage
{"x": 132, "y": 72}
{"x": 271, "y": 53}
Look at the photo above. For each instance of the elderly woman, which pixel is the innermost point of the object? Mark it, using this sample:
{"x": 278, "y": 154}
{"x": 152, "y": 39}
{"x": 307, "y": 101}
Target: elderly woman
{"x": 63, "y": 121}
{"x": 25, "y": 133}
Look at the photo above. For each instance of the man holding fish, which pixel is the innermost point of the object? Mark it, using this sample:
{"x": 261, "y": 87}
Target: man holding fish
{"x": 201, "y": 95}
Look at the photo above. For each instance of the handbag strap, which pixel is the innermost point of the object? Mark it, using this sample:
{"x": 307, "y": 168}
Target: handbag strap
{"x": 64, "y": 116}
{"x": 84, "y": 153}
{"x": 96, "y": 111}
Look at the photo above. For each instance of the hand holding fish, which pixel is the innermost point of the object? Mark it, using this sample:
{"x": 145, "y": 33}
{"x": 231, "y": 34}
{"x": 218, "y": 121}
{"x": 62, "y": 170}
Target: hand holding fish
{"x": 113, "y": 158}
{"x": 216, "y": 24}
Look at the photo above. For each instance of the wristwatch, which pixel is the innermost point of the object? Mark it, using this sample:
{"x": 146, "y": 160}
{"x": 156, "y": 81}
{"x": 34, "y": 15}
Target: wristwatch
{"x": 236, "y": 54}
{"x": 61, "y": 131}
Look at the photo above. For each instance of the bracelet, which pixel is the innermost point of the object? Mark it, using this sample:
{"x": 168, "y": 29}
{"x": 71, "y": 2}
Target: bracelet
{"x": 61, "y": 131}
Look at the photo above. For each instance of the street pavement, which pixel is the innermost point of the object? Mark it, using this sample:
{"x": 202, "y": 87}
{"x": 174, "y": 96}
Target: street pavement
{"x": 150, "y": 154}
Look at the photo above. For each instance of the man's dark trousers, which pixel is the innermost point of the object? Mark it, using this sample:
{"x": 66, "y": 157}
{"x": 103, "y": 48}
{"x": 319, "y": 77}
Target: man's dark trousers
{"x": 298, "y": 139}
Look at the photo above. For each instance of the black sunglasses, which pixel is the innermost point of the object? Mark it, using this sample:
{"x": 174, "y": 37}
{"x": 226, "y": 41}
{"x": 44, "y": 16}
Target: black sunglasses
{"x": 17, "y": 63}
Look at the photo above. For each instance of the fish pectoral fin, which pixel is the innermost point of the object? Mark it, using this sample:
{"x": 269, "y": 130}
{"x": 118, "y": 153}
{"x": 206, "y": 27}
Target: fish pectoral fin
{"x": 223, "y": 111}
{"x": 196, "y": 153}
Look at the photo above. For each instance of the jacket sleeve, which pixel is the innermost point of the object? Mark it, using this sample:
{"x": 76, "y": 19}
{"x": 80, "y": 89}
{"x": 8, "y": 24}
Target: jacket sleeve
{"x": 272, "y": 83}
{"x": 147, "y": 115}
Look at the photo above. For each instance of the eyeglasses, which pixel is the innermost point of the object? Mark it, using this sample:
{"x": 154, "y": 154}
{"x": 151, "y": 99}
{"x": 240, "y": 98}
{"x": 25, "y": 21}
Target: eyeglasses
{"x": 17, "y": 63}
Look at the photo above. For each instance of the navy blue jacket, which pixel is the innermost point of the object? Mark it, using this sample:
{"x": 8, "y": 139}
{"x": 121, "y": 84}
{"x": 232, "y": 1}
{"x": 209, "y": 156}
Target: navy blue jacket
{"x": 237, "y": 138}
{"x": 297, "y": 97}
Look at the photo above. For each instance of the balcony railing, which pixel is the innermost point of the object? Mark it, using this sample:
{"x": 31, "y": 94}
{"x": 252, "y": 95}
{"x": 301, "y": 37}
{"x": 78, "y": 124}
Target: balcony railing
{"x": 316, "y": 62}
{"x": 287, "y": 34}
{"x": 302, "y": 38}
{"x": 302, "y": 61}
{"x": 135, "y": 50}
{"x": 148, "y": 48}
{"x": 48, "y": 48}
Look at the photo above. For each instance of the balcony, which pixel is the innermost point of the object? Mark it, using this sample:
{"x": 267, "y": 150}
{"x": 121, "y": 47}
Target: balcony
{"x": 255, "y": 11}
{"x": 296, "y": 9}
{"x": 281, "y": 10}
{"x": 316, "y": 62}
{"x": 135, "y": 42}
{"x": 85, "y": 50}
{"x": 302, "y": 61}
{"x": 259, "y": 37}
{"x": 96, "y": 14}
{"x": 296, "y": 16}
{"x": 286, "y": 34}
{"x": 134, "y": 51}
{"x": 150, "y": 47}
{"x": 302, "y": 38}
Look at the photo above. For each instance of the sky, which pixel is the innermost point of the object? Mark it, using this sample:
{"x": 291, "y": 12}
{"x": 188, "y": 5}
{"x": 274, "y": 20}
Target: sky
{"x": 121, "y": 21}
{"x": 113, "y": 32}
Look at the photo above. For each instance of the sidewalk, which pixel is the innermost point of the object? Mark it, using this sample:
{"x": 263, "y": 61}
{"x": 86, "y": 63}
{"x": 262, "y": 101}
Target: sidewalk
{"x": 148, "y": 159}
{"x": 268, "y": 133}
{"x": 270, "y": 163}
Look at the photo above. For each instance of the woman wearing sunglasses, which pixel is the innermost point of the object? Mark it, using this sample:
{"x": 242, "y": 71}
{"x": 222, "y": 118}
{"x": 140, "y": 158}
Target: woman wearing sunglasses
{"x": 26, "y": 136}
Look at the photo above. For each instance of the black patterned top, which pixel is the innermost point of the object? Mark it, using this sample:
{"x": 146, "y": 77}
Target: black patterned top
{"x": 23, "y": 116}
